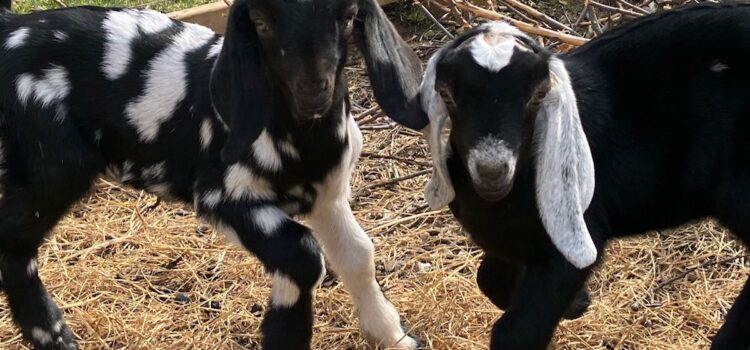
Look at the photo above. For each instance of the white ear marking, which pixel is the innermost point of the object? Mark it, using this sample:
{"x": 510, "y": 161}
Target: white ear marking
{"x": 565, "y": 170}
{"x": 439, "y": 191}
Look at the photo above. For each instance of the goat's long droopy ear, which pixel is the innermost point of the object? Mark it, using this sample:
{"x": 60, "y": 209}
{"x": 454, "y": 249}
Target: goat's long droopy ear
{"x": 439, "y": 191}
{"x": 394, "y": 69}
{"x": 565, "y": 170}
{"x": 239, "y": 87}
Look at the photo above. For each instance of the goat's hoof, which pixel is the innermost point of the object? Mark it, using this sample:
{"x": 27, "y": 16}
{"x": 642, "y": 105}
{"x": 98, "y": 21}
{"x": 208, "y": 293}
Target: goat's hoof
{"x": 578, "y": 306}
{"x": 406, "y": 343}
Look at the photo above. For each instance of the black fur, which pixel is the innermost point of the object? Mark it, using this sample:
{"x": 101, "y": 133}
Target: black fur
{"x": 69, "y": 113}
{"x": 665, "y": 105}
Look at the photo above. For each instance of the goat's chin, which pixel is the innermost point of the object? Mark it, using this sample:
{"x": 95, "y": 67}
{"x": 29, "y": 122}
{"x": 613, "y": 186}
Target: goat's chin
{"x": 493, "y": 194}
{"x": 312, "y": 112}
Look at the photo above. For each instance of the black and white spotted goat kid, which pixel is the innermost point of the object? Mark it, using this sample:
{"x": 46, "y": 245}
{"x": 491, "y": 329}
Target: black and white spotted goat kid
{"x": 549, "y": 156}
{"x": 253, "y": 128}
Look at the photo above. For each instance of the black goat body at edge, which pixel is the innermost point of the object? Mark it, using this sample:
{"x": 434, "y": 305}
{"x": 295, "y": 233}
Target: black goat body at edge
{"x": 550, "y": 156}
{"x": 253, "y": 128}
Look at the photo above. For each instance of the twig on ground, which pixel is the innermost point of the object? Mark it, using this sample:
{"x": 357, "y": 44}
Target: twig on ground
{"x": 61, "y": 3}
{"x": 692, "y": 269}
{"x": 395, "y": 180}
{"x": 538, "y": 15}
{"x": 434, "y": 20}
{"x": 385, "y": 156}
{"x": 615, "y": 9}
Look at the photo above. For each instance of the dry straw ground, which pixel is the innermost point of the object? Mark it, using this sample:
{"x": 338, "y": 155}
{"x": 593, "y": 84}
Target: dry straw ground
{"x": 129, "y": 275}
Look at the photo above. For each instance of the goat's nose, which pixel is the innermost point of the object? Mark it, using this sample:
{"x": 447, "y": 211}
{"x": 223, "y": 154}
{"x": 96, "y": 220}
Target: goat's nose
{"x": 312, "y": 86}
{"x": 493, "y": 170}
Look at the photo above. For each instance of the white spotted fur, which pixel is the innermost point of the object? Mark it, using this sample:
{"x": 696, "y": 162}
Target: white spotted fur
{"x": 241, "y": 183}
{"x": 41, "y": 336}
{"x": 17, "y": 38}
{"x": 52, "y": 87}
{"x": 206, "y": 134}
{"x": 166, "y": 83}
{"x": 265, "y": 153}
{"x": 268, "y": 219}
{"x": 284, "y": 292}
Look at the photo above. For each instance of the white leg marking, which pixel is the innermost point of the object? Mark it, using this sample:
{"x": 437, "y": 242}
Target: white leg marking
{"x": 211, "y": 198}
{"x": 57, "y": 327}
{"x": 17, "y": 38}
{"x": 265, "y": 153}
{"x": 60, "y": 36}
{"x": 284, "y": 292}
{"x": 241, "y": 183}
{"x": 31, "y": 268}
{"x": 120, "y": 172}
{"x": 351, "y": 252}
{"x": 52, "y": 87}
{"x": 41, "y": 336}
{"x": 154, "y": 172}
{"x": 166, "y": 85}
{"x": 268, "y": 219}
{"x": 206, "y": 134}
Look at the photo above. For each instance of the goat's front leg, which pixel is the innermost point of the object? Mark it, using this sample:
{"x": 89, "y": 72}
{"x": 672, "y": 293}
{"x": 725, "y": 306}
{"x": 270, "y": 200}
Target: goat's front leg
{"x": 351, "y": 254}
{"x": 289, "y": 253}
{"x": 33, "y": 309}
{"x": 543, "y": 296}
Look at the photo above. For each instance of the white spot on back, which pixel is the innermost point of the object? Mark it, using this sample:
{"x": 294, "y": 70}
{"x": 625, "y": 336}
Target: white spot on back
{"x": 151, "y": 22}
{"x": 167, "y": 83}
{"x": 52, "y": 87}
{"x": 60, "y": 36}
{"x": 284, "y": 292}
{"x": 265, "y": 153}
{"x": 268, "y": 219}
{"x": 206, "y": 134}
{"x": 17, "y": 38}
{"x": 41, "y": 336}
{"x": 718, "y": 66}
{"x": 121, "y": 27}
{"x": 241, "y": 183}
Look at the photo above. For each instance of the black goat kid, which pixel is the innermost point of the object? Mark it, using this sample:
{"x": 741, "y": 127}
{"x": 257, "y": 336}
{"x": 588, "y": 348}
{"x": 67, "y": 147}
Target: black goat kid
{"x": 127, "y": 93}
{"x": 646, "y": 127}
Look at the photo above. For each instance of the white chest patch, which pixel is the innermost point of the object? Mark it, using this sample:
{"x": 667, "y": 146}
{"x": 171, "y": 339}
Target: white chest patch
{"x": 17, "y": 38}
{"x": 166, "y": 84}
{"x": 52, "y": 87}
{"x": 265, "y": 152}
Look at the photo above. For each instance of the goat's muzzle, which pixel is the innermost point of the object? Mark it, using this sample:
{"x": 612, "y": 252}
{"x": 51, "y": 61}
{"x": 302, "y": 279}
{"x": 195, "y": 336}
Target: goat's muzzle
{"x": 492, "y": 167}
{"x": 313, "y": 97}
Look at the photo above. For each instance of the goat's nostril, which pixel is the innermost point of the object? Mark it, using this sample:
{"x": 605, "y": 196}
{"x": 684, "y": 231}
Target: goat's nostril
{"x": 309, "y": 86}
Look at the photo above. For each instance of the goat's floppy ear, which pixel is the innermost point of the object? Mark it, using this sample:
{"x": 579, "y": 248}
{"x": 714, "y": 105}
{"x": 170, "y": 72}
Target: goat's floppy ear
{"x": 239, "y": 88}
{"x": 564, "y": 170}
{"x": 394, "y": 69}
{"x": 439, "y": 191}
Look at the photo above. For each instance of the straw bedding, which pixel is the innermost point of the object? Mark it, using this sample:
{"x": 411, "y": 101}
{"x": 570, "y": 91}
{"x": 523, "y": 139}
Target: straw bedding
{"x": 132, "y": 274}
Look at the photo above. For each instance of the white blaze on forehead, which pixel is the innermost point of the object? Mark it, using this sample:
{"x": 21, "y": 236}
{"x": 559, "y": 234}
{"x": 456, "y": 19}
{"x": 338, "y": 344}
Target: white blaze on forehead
{"x": 265, "y": 152}
{"x": 166, "y": 84}
{"x": 17, "y": 38}
{"x": 268, "y": 219}
{"x": 241, "y": 183}
{"x": 121, "y": 28}
{"x": 493, "y": 47}
{"x": 206, "y": 134}
{"x": 284, "y": 292}
{"x": 52, "y": 87}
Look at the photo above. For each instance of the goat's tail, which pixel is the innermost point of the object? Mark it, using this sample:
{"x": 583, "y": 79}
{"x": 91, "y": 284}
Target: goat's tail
{"x": 5, "y": 5}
